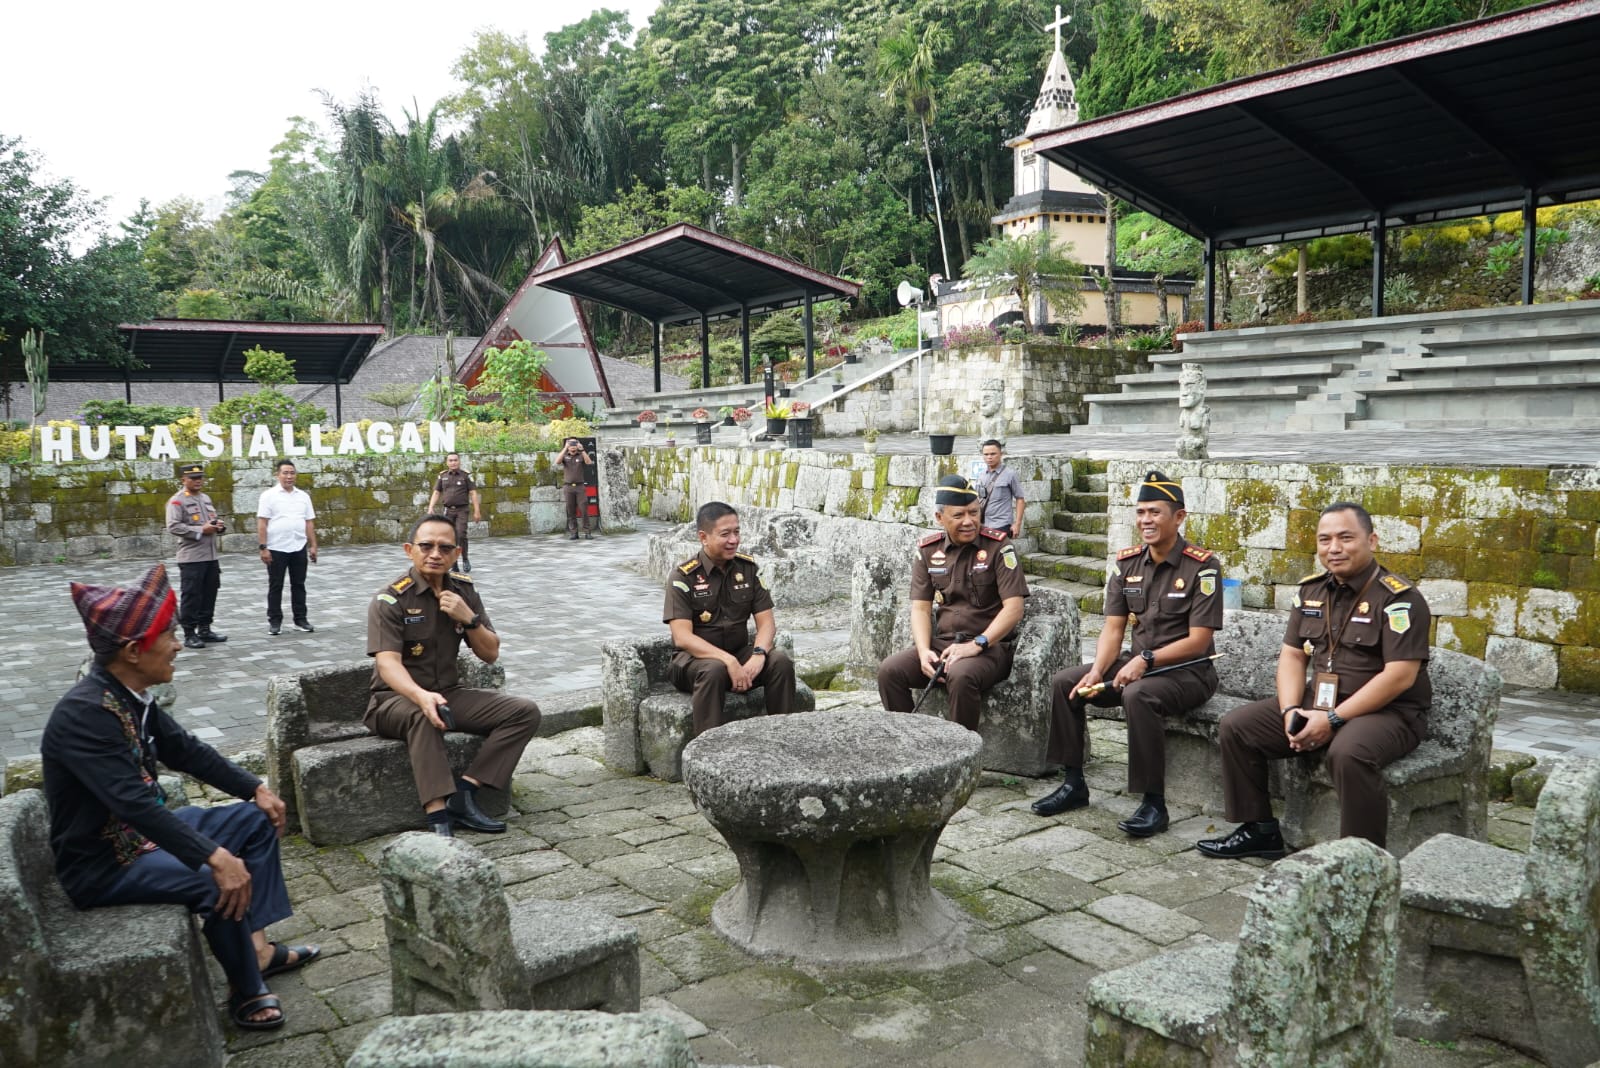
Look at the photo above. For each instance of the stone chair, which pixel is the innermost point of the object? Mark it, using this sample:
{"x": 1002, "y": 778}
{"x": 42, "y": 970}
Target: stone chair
{"x": 1505, "y": 945}
{"x": 342, "y": 782}
{"x": 456, "y": 945}
{"x": 1015, "y": 726}
{"x": 1440, "y": 786}
{"x": 1310, "y": 981}
{"x": 647, "y": 722}
{"x": 113, "y": 986}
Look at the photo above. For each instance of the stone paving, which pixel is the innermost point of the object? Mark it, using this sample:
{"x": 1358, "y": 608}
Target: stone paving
{"x": 1048, "y": 904}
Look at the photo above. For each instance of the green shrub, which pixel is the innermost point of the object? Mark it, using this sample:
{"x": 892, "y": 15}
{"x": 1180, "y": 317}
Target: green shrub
{"x": 121, "y": 413}
{"x": 266, "y": 406}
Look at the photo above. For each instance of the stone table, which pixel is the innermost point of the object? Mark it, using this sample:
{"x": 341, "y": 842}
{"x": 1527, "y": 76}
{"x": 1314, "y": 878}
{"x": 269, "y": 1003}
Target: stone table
{"x": 833, "y": 818}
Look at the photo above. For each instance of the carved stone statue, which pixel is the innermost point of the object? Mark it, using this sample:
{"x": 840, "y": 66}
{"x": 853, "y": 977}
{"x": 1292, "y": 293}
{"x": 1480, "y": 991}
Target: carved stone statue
{"x": 1194, "y": 415}
{"x": 991, "y": 423}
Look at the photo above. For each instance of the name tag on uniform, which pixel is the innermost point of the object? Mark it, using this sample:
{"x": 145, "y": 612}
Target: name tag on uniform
{"x": 938, "y": 570}
{"x": 1182, "y": 593}
{"x": 1361, "y": 619}
{"x": 1313, "y": 613}
{"x": 980, "y": 567}
{"x": 416, "y": 619}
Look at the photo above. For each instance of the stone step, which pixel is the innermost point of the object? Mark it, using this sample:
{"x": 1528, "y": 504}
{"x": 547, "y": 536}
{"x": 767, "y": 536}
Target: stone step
{"x": 1081, "y": 522}
{"x": 1094, "y": 482}
{"x": 1076, "y": 501}
{"x": 1091, "y": 599}
{"x": 1089, "y": 570}
{"x": 1072, "y": 543}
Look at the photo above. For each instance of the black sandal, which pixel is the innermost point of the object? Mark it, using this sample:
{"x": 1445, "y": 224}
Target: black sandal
{"x": 281, "y": 963}
{"x": 242, "y": 1006}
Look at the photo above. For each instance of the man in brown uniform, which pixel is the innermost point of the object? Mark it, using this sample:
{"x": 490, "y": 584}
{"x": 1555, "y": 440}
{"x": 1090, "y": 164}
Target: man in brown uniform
{"x": 1171, "y": 592}
{"x": 973, "y": 577}
{"x": 574, "y": 474}
{"x": 1364, "y": 632}
{"x": 453, "y": 490}
{"x": 415, "y": 627}
{"x": 193, "y": 520}
{"x": 710, "y": 600}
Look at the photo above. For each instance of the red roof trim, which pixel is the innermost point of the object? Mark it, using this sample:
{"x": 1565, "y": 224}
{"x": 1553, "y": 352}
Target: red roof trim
{"x": 217, "y": 326}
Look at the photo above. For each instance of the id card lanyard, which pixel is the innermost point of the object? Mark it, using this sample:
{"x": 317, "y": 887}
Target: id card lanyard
{"x": 1327, "y": 682}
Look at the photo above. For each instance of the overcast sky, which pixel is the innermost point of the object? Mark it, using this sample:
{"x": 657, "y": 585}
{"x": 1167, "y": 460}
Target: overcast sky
{"x": 164, "y": 98}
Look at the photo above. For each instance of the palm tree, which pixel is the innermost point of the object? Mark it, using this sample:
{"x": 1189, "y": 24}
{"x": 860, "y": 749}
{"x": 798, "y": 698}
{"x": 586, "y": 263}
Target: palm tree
{"x": 1022, "y": 266}
{"x": 906, "y": 68}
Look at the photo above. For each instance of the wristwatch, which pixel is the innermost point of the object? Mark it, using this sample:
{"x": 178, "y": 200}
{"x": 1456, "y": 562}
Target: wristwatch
{"x": 1335, "y": 720}
{"x": 262, "y": 546}
{"x": 1149, "y": 657}
{"x": 981, "y": 641}
{"x": 472, "y": 624}
{"x": 758, "y": 651}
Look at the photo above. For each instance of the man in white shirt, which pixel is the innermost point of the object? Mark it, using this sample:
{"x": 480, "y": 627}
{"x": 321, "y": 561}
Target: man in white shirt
{"x": 286, "y": 534}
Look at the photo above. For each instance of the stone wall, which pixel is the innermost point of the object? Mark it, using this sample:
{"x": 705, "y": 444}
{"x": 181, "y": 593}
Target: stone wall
{"x": 118, "y": 509}
{"x": 671, "y": 484}
{"x": 1506, "y": 557}
{"x": 1044, "y": 389}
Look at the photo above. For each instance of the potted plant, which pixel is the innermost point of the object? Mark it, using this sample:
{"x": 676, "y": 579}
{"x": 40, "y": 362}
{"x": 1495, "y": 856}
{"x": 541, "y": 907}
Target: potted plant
{"x": 726, "y": 411}
{"x": 777, "y": 416}
{"x": 869, "y": 441}
{"x": 666, "y": 428}
{"x": 647, "y": 421}
{"x": 799, "y": 425}
{"x": 702, "y": 426}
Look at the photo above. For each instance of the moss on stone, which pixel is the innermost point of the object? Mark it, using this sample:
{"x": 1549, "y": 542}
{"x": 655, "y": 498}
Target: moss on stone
{"x": 1563, "y": 535}
{"x": 1579, "y": 667}
{"x": 1463, "y": 634}
{"x": 1584, "y": 505}
{"x": 1527, "y": 479}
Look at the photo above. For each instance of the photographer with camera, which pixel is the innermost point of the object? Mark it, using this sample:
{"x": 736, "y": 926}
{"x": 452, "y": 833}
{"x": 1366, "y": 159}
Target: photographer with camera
{"x": 193, "y": 520}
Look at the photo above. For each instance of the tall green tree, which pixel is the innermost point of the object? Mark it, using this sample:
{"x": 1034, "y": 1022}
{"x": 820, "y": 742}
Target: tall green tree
{"x": 906, "y": 65}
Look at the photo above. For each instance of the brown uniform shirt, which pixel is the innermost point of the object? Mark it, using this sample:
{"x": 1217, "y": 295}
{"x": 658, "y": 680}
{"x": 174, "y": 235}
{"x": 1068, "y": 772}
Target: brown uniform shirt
{"x": 405, "y": 618}
{"x": 1387, "y": 620}
{"x": 719, "y": 600}
{"x": 1162, "y": 601}
{"x": 966, "y": 583}
{"x": 454, "y": 488}
{"x": 573, "y": 469}
{"x": 186, "y": 514}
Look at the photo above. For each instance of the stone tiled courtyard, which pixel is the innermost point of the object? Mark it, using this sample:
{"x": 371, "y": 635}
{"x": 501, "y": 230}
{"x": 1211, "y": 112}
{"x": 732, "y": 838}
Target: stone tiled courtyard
{"x": 1049, "y": 903}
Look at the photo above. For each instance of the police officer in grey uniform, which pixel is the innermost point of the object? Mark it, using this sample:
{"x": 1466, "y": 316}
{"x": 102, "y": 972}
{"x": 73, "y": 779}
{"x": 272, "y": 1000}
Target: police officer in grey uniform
{"x": 193, "y": 520}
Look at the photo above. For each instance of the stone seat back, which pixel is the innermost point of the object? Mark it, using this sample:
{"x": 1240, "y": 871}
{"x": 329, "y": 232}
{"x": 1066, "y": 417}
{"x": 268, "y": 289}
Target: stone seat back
{"x": 457, "y": 945}
{"x": 1015, "y": 726}
{"x": 1310, "y": 981}
{"x": 342, "y": 783}
{"x": 1442, "y": 785}
{"x": 647, "y": 721}
{"x": 1504, "y": 945}
{"x": 112, "y": 986}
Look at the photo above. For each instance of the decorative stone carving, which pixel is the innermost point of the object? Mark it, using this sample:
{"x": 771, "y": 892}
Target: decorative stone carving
{"x": 833, "y": 817}
{"x": 1194, "y": 415}
{"x": 991, "y": 421}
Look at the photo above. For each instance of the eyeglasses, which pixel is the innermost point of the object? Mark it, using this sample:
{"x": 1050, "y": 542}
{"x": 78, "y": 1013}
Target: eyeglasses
{"x": 427, "y": 547}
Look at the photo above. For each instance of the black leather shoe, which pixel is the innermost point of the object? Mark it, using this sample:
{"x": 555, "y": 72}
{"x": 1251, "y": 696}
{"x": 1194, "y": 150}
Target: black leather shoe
{"x": 466, "y": 566}
{"x": 275, "y": 629}
{"x": 209, "y": 635}
{"x": 574, "y": 536}
{"x": 587, "y": 536}
{"x": 1247, "y": 840}
{"x": 1067, "y": 796}
{"x": 443, "y": 830}
{"x": 305, "y": 625}
{"x": 191, "y": 640}
{"x": 464, "y": 812}
{"x": 1149, "y": 819}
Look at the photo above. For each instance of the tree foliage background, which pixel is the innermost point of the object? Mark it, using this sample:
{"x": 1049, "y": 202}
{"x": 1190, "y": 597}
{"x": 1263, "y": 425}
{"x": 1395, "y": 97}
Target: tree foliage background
{"x": 778, "y": 122}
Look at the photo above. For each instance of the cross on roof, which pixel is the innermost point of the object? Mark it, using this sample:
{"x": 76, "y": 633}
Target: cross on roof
{"x": 1061, "y": 20}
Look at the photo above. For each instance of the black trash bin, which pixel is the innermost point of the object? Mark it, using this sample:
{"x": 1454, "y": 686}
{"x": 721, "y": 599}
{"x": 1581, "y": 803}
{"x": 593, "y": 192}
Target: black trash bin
{"x": 702, "y": 433}
{"x": 942, "y": 444}
{"x": 799, "y": 433}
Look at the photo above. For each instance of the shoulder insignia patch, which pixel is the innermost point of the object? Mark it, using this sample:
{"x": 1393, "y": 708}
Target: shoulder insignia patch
{"x": 403, "y": 585}
{"x": 459, "y": 576}
{"x": 746, "y": 557}
{"x": 174, "y": 501}
{"x": 997, "y": 535}
{"x": 1194, "y": 552}
{"x": 386, "y": 599}
{"x": 1395, "y": 583}
{"x": 1311, "y": 577}
{"x": 930, "y": 539}
{"x": 689, "y": 565}
{"x": 679, "y": 584}
{"x": 1132, "y": 550}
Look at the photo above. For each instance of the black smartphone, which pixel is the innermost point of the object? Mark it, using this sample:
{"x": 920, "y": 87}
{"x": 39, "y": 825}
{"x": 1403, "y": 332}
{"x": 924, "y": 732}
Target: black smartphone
{"x": 1297, "y": 722}
{"x": 445, "y": 716}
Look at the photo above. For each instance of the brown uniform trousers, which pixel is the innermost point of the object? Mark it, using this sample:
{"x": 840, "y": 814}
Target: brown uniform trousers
{"x": 577, "y": 504}
{"x": 966, "y": 680}
{"x": 1252, "y": 734}
{"x": 508, "y": 721}
{"x": 458, "y": 514}
{"x": 707, "y": 682}
{"x": 1144, "y": 703}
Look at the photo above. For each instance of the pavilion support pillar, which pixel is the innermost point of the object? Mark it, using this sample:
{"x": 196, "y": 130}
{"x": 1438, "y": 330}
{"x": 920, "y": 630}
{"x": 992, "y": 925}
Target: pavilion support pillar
{"x": 1379, "y": 231}
{"x": 1209, "y": 255}
{"x": 744, "y": 341}
{"x": 655, "y": 353}
{"x": 705, "y": 351}
{"x": 338, "y": 406}
{"x": 1530, "y": 236}
{"x": 811, "y": 363}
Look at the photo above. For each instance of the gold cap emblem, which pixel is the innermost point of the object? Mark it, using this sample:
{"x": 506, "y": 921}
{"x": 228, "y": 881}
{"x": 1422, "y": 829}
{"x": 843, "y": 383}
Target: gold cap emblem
{"x": 416, "y": 650}
{"x": 1178, "y": 585}
{"x": 1308, "y": 647}
{"x": 738, "y": 576}
{"x": 1363, "y": 607}
{"x": 705, "y": 617}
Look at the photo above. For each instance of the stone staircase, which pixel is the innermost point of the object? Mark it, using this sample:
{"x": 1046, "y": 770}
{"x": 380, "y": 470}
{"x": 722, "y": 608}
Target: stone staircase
{"x": 1072, "y": 552}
